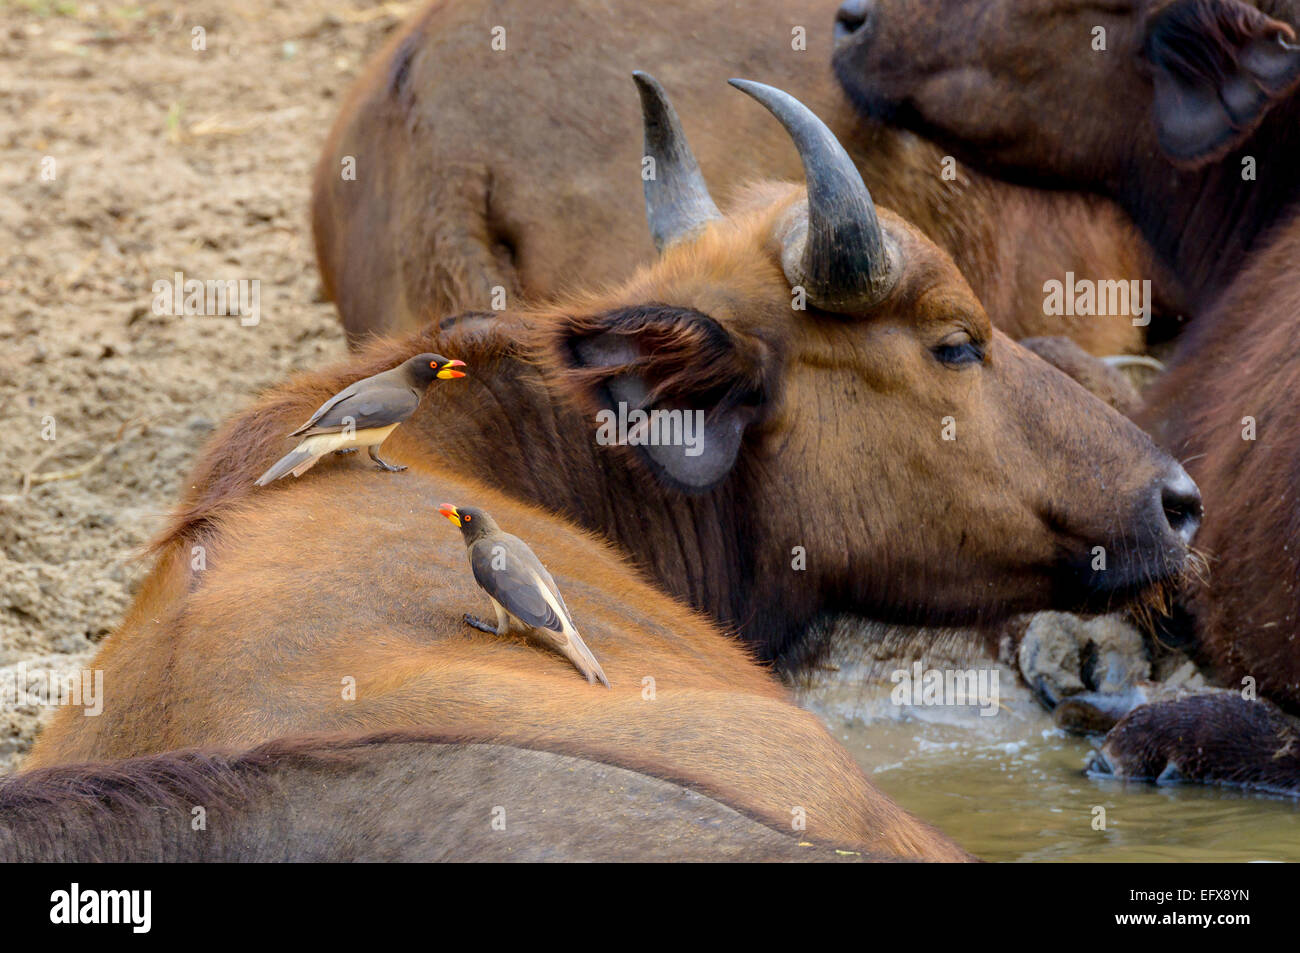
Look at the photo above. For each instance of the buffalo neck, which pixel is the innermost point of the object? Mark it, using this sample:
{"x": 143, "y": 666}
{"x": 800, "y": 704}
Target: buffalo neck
{"x": 516, "y": 433}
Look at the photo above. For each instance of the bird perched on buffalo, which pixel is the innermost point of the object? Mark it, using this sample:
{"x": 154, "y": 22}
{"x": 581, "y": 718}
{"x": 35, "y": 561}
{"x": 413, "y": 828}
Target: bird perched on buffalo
{"x": 363, "y": 415}
{"x": 523, "y": 593}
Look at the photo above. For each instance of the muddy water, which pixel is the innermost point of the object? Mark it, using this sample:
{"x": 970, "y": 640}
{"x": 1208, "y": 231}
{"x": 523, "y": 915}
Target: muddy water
{"x": 1012, "y": 787}
{"x": 1031, "y": 800}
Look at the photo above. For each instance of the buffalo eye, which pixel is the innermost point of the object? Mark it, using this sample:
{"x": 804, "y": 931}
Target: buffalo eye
{"x": 959, "y": 349}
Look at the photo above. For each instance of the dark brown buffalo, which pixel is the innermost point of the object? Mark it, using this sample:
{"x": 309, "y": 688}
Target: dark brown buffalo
{"x": 399, "y": 797}
{"x": 1162, "y": 121}
{"x": 1227, "y": 407}
{"x": 1189, "y": 96}
{"x": 478, "y": 168}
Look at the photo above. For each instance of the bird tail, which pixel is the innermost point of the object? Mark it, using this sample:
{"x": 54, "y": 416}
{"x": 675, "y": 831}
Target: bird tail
{"x": 576, "y": 651}
{"x": 297, "y": 461}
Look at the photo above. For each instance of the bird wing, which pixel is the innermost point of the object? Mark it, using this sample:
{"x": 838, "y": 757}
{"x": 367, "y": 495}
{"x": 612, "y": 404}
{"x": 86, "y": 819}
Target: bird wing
{"x": 344, "y": 394}
{"x": 372, "y": 407}
{"x": 514, "y": 577}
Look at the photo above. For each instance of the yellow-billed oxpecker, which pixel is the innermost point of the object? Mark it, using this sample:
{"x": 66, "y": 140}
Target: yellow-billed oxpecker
{"x": 526, "y": 599}
{"x": 363, "y": 415}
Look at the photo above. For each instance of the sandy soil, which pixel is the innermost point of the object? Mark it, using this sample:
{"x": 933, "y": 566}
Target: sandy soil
{"x": 164, "y": 158}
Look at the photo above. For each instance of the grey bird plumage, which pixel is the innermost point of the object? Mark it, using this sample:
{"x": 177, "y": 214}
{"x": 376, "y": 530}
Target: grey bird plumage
{"x": 363, "y": 414}
{"x": 526, "y": 598}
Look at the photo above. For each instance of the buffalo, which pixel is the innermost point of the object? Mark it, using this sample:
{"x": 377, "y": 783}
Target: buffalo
{"x": 457, "y": 167}
{"x": 1190, "y": 119}
{"x": 350, "y": 798}
{"x": 869, "y": 443}
{"x": 1180, "y": 111}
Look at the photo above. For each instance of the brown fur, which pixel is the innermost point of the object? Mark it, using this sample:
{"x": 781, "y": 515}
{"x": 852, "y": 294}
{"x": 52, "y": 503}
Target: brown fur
{"x": 1212, "y": 738}
{"x": 1097, "y": 377}
{"x": 374, "y": 589}
{"x": 1244, "y": 360}
{"x": 1014, "y": 87}
{"x": 397, "y": 796}
{"x": 1024, "y": 420}
{"x": 479, "y": 168}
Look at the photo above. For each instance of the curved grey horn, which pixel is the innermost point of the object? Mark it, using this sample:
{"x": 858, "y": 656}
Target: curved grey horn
{"x": 677, "y": 202}
{"x": 843, "y": 260}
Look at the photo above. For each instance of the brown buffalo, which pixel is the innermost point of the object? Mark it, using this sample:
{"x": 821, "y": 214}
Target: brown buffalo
{"x": 336, "y": 605}
{"x": 456, "y": 167}
{"x": 824, "y": 482}
{"x": 1227, "y": 407}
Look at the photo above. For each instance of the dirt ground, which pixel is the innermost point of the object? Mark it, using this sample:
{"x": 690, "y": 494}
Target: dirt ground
{"x": 127, "y": 155}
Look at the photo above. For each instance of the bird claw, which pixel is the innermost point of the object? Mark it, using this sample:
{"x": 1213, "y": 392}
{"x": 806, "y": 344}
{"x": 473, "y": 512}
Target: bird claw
{"x": 477, "y": 623}
{"x": 383, "y": 464}
{"x": 345, "y": 450}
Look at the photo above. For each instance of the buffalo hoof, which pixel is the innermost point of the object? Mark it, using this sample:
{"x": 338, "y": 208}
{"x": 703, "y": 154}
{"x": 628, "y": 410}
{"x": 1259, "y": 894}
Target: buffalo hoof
{"x": 1063, "y": 655}
{"x": 1095, "y": 713}
{"x": 1214, "y": 737}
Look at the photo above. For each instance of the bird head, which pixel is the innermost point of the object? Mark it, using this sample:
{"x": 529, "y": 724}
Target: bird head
{"x": 427, "y": 367}
{"x": 472, "y": 521}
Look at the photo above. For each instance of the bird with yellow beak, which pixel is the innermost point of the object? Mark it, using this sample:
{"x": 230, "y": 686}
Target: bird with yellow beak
{"x": 526, "y": 599}
{"x": 363, "y": 415}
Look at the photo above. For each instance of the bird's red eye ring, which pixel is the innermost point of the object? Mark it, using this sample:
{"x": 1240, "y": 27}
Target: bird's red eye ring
{"x": 467, "y": 518}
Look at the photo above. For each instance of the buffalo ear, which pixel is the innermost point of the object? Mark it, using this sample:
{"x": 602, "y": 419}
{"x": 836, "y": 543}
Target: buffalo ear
{"x": 662, "y": 359}
{"x": 1219, "y": 66}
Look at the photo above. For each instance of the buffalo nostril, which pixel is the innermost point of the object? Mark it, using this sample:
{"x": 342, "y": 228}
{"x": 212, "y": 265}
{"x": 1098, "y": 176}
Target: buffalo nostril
{"x": 1181, "y": 501}
{"x": 851, "y": 17}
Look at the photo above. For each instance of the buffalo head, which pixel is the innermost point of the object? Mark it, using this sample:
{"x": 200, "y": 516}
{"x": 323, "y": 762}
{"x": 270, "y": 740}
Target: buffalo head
{"x": 868, "y": 442}
{"x": 1063, "y": 91}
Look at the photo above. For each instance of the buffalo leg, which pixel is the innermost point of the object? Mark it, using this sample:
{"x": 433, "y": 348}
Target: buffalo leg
{"x": 1214, "y": 737}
